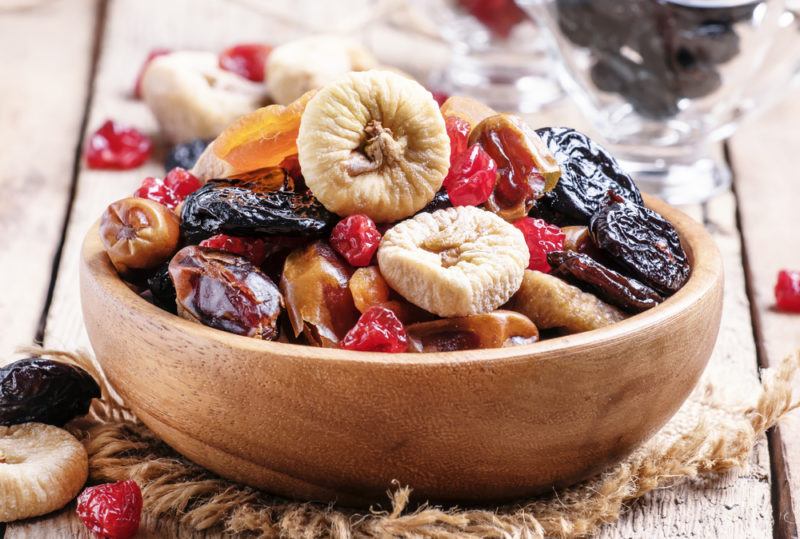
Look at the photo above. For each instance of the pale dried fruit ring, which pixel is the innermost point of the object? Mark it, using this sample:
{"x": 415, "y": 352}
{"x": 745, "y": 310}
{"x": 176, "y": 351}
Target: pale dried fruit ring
{"x": 375, "y": 143}
{"x": 42, "y": 468}
{"x": 454, "y": 262}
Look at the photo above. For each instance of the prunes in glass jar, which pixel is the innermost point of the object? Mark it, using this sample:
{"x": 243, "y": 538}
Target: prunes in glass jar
{"x": 39, "y": 390}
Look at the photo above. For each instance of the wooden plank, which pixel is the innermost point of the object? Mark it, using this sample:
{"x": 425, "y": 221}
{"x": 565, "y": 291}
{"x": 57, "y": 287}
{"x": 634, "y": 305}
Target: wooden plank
{"x": 764, "y": 154}
{"x": 38, "y": 141}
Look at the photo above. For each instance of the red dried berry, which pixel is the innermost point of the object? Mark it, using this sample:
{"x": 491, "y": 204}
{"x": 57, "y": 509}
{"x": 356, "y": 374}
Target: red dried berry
{"x": 172, "y": 190}
{"x": 377, "y": 330}
{"x": 111, "y": 511}
{"x": 787, "y": 291}
{"x": 541, "y": 238}
{"x": 471, "y": 180}
{"x": 155, "y": 53}
{"x": 246, "y": 60}
{"x": 254, "y": 249}
{"x": 458, "y": 132}
{"x": 117, "y": 146}
{"x": 356, "y": 238}
{"x": 499, "y": 16}
{"x": 440, "y": 97}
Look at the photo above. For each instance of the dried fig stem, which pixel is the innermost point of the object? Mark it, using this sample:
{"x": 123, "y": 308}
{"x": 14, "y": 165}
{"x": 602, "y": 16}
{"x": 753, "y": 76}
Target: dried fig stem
{"x": 380, "y": 145}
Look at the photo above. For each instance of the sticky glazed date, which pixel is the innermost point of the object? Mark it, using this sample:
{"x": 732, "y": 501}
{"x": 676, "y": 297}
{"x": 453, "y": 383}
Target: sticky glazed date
{"x": 587, "y": 173}
{"x": 641, "y": 241}
{"x": 225, "y": 291}
{"x": 36, "y": 390}
{"x": 615, "y": 288}
{"x": 249, "y": 208}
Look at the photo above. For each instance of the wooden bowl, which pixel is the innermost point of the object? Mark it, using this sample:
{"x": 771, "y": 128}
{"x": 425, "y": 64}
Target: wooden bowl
{"x": 476, "y": 426}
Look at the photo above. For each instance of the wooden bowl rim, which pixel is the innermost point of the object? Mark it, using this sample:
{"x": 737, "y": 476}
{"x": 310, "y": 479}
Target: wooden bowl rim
{"x": 706, "y": 271}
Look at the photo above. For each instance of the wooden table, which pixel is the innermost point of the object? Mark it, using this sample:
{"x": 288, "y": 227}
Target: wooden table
{"x": 70, "y": 64}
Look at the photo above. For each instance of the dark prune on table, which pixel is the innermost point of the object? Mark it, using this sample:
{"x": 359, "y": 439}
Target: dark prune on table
{"x": 162, "y": 289}
{"x": 641, "y": 241}
{"x": 186, "y": 154}
{"x": 36, "y": 390}
{"x": 245, "y": 208}
{"x": 615, "y": 288}
{"x": 225, "y": 291}
{"x": 587, "y": 173}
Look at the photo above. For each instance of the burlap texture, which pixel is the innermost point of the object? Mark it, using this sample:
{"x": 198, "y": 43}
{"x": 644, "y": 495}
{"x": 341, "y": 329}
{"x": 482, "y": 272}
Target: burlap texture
{"x": 707, "y": 436}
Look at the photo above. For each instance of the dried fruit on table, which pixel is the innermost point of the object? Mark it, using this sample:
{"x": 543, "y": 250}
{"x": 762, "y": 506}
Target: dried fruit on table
{"x": 377, "y": 330}
{"x": 787, "y": 291}
{"x": 615, "y": 288}
{"x": 466, "y": 108}
{"x": 541, "y": 238}
{"x": 252, "y": 208}
{"x": 553, "y": 303}
{"x": 497, "y": 329}
{"x": 641, "y": 241}
{"x": 588, "y": 171}
{"x": 454, "y": 262}
{"x": 172, "y": 190}
{"x": 318, "y": 299}
{"x": 185, "y": 154}
{"x": 526, "y": 169}
{"x": 471, "y": 180}
{"x": 246, "y": 60}
{"x": 113, "y": 510}
{"x": 42, "y": 468}
{"x": 253, "y": 249}
{"x": 152, "y": 55}
{"x": 356, "y": 238}
{"x": 117, "y": 146}
{"x": 138, "y": 233}
{"x": 162, "y": 289}
{"x": 374, "y": 143}
{"x": 225, "y": 291}
{"x": 38, "y": 390}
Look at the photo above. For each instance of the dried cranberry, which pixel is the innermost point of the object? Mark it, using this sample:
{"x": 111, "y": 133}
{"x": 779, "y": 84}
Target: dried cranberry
{"x": 542, "y": 238}
{"x": 458, "y": 132}
{"x": 117, "y": 146}
{"x": 499, "y": 16}
{"x": 253, "y": 249}
{"x": 111, "y": 511}
{"x": 155, "y": 53}
{"x": 356, "y": 238}
{"x": 246, "y": 60}
{"x": 787, "y": 291}
{"x": 377, "y": 330}
{"x": 440, "y": 97}
{"x": 172, "y": 190}
{"x": 471, "y": 181}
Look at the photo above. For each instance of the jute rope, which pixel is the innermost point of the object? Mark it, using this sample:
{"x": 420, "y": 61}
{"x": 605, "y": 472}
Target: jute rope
{"x": 708, "y": 436}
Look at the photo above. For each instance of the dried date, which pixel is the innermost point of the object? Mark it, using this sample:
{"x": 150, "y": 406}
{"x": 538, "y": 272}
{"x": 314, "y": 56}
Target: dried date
{"x": 38, "y": 390}
{"x": 641, "y": 241}
{"x": 497, "y": 329}
{"x": 615, "y": 288}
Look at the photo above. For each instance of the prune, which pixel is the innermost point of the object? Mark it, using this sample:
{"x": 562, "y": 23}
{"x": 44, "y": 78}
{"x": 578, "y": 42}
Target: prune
{"x": 248, "y": 208}
{"x": 440, "y": 201}
{"x": 163, "y": 290}
{"x": 186, "y": 154}
{"x": 615, "y": 288}
{"x": 587, "y": 173}
{"x": 225, "y": 291}
{"x": 318, "y": 300}
{"x": 641, "y": 241}
{"x": 497, "y": 329}
{"x": 36, "y": 390}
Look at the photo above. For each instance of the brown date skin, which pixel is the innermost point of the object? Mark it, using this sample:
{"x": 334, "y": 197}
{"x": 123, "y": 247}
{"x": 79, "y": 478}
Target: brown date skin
{"x": 318, "y": 299}
{"x": 615, "y": 288}
{"x": 497, "y": 329}
{"x": 225, "y": 291}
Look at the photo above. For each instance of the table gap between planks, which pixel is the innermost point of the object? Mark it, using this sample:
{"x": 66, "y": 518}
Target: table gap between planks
{"x": 50, "y": 200}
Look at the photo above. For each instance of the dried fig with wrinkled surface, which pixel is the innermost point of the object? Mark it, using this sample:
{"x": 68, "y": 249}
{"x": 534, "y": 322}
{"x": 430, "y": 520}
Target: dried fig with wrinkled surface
{"x": 497, "y": 329}
{"x": 318, "y": 299}
{"x": 550, "y": 302}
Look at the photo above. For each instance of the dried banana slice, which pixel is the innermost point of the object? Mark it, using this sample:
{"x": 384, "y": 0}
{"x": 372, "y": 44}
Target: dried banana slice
{"x": 454, "y": 262}
{"x": 42, "y": 468}
{"x": 552, "y": 303}
{"x": 374, "y": 143}
{"x": 312, "y": 62}
{"x": 192, "y": 97}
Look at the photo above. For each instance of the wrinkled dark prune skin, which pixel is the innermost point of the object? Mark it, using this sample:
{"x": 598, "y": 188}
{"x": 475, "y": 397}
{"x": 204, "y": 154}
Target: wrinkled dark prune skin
{"x": 587, "y": 173}
{"x": 163, "y": 290}
{"x": 239, "y": 208}
{"x": 440, "y": 201}
{"x": 185, "y": 155}
{"x": 642, "y": 242}
{"x": 38, "y": 390}
{"x": 611, "y": 286}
